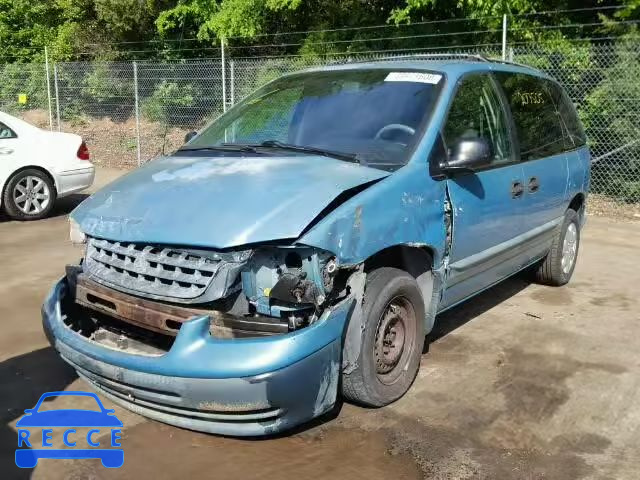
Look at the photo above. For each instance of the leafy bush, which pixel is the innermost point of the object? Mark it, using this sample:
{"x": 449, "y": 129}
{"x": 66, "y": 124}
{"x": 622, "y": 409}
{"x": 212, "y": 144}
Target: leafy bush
{"x": 95, "y": 90}
{"x": 108, "y": 83}
{"x": 611, "y": 121}
{"x": 21, "y": 78}
{"x": 170, "y": 103}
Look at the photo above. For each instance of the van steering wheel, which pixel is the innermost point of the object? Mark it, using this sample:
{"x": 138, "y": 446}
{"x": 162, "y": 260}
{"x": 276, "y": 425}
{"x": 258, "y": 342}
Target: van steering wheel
{"x": 395, "y": 126}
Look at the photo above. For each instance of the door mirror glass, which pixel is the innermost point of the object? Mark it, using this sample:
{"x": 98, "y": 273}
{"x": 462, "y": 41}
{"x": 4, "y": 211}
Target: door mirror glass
{"x": 468, "y": 154}
{"x": 189, "y": 136}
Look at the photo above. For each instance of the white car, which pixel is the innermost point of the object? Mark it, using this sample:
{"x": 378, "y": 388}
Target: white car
{"x": 38, "y": 166}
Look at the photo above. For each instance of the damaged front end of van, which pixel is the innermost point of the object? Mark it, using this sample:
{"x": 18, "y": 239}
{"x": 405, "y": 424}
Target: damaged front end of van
{"x": 236, "y": 330}
{"x": 221, "y": 288}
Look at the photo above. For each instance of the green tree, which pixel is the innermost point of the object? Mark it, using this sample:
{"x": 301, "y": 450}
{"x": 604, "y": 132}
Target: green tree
{"x": 73, "y": 28}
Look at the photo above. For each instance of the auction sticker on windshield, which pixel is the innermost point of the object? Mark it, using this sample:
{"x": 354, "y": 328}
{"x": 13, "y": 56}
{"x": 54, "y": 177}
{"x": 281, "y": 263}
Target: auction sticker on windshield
{"x": 416, "y": 77}
{"x": 41, "y": 427}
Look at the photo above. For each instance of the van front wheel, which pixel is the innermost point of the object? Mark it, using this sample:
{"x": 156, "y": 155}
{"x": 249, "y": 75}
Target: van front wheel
{"x": 393, "y": 316}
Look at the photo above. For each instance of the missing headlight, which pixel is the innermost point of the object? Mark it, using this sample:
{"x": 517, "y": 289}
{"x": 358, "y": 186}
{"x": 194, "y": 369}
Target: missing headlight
{"x": 296, "y": 289}
{"x": 287, "y": 282}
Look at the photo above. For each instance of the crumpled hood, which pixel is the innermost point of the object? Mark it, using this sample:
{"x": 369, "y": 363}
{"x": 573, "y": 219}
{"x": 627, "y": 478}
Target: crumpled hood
{"x": 218, "y": 202}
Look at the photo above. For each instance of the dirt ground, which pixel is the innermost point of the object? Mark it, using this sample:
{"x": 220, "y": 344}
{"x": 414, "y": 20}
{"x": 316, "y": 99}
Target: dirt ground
{"x": 113, "y": 144}
{"x": 523, "y": 382}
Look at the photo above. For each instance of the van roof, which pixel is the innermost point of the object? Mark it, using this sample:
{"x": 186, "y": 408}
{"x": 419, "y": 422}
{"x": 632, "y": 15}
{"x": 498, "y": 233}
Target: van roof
{"x": 451, "y": 64}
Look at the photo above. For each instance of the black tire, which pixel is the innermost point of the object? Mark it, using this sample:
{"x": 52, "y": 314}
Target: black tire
{"x": 550, "y": 271}
{"x": 9, "y": 202}
{"x": 392, "y": 303}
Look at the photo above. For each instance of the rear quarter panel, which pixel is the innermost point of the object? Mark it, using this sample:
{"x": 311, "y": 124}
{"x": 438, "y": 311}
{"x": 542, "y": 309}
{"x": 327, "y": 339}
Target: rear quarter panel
{"x": 54, "y": 152}
{"x": 58, "y": 152}
{"x": 579, "y": 170}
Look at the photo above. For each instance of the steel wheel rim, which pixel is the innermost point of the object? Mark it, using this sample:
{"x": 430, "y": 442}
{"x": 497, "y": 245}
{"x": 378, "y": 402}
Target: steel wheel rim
{"x": 569, "y": 248}
{"x": 394, "y": 340}
{"x": 31, "y": 195}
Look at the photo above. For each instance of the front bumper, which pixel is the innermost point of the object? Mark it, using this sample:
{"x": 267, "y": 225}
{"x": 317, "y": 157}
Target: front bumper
{"x": 244, "y": 387}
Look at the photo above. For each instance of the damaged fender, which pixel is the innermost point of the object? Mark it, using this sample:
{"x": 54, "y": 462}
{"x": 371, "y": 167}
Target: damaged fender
{"x": 355, "y": 328}
{"x": 430, "y": 283}
{"x": 405, "y": 209}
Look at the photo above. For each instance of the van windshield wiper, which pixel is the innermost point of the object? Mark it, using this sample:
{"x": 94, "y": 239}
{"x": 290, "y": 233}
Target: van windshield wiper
{"x": 253, "y": 148}
{"x": 225, "y": 147}
{"x": 351, "y": 157}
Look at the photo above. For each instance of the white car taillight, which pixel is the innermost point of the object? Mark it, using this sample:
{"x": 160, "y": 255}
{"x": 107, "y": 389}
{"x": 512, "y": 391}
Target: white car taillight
{"x": 83, "y": 152}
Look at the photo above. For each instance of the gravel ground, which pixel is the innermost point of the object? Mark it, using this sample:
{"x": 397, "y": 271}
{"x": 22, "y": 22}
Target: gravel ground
{"x": 522, "y": 382}
{"x": 604, "y": 206}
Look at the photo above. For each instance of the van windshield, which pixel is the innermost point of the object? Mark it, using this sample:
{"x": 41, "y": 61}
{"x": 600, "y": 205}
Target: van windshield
{"x": 372, "y": 116}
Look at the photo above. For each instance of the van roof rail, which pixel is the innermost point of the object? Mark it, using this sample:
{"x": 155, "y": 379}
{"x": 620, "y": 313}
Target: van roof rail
{"x": 440, "y": 56}
{"x": 430, "y": 56}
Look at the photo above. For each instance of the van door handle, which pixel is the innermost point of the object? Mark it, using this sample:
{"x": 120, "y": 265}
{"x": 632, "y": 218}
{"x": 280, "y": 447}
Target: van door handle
{"x": 534, "y": 185}
{"x": 517, "y": 189}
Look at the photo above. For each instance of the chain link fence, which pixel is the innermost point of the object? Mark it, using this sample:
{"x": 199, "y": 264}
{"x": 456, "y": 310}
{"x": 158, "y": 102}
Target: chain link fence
{"x": 131, "y": 112}
{"x": 23, "y": 92}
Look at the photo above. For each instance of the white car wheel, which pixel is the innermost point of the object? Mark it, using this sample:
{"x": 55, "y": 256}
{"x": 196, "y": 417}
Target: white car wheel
{"x": 29, "y": 195}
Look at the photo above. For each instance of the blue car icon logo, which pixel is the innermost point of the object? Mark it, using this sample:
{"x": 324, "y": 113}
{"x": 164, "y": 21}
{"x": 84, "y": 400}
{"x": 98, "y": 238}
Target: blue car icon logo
{"x": 100, "y": 421}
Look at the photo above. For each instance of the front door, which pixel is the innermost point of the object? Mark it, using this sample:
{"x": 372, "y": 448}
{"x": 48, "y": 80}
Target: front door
{"x": 9, "y": 152}
{"x": 487, "y": 205}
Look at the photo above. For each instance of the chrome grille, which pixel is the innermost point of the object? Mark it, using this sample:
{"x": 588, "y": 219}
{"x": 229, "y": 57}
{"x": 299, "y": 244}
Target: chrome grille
{"x": 157, "y": 271}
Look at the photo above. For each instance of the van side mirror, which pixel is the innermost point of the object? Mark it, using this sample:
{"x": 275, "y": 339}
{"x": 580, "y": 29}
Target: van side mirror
{"x": 467, "y": 155}
{"x": 189, "y": 136}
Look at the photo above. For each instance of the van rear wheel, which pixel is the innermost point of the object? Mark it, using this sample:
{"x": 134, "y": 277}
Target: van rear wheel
{"x": 557, "y": 267}
{"x": 393, "y": 316}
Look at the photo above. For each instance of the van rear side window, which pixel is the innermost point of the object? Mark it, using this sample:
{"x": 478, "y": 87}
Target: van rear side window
{"x": 535, "y": 114}
{"x": 569, "y": 116}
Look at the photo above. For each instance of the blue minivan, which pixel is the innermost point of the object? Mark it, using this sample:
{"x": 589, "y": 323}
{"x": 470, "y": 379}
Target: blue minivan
{"x": 300, "y": 246}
